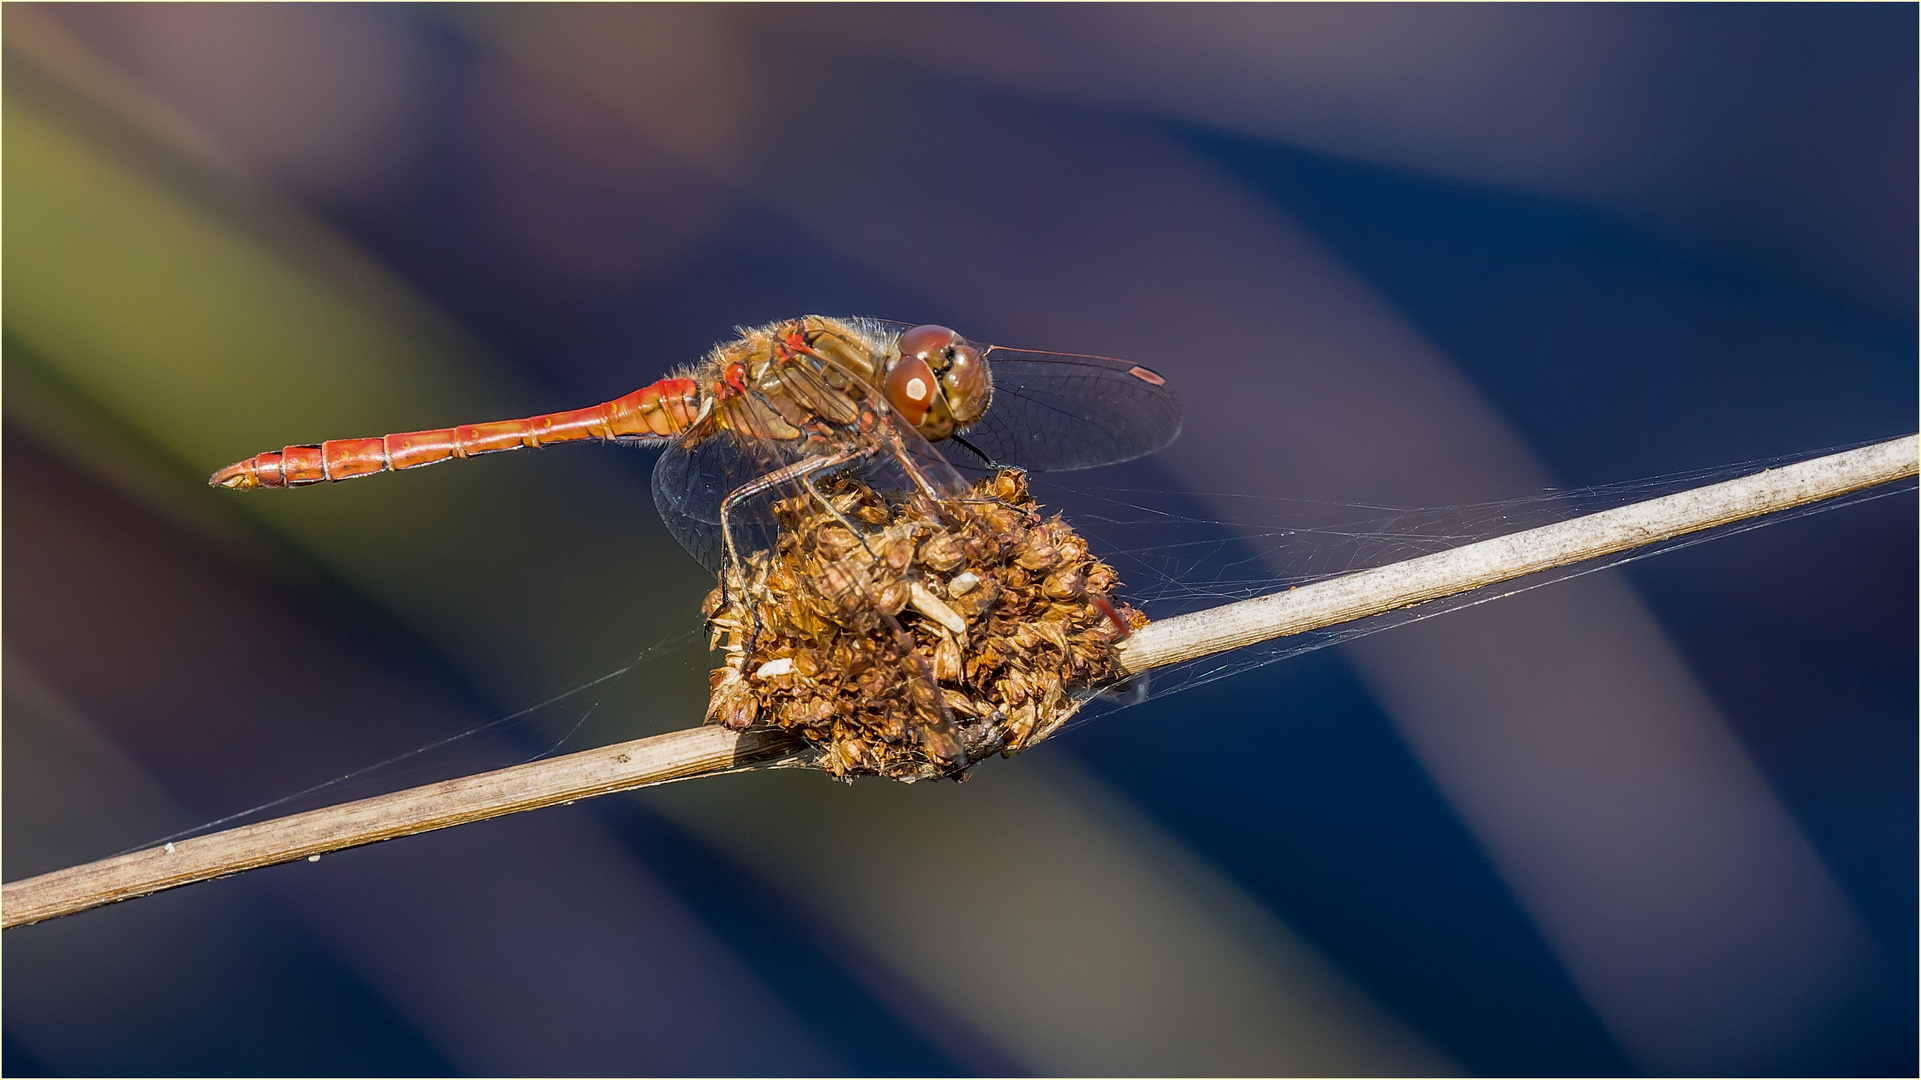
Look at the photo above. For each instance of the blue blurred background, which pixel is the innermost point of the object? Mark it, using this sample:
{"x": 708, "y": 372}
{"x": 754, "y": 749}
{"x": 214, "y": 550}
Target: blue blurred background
{"x": 1655, "y": 820}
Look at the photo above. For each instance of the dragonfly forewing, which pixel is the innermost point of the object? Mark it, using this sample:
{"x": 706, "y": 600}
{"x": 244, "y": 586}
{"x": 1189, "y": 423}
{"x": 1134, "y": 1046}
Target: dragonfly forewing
{"x": 1058, "y": 411}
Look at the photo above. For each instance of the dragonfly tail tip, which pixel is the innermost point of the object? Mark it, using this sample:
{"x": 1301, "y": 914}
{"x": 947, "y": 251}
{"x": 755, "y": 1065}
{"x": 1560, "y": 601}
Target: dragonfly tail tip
{"x": 235, "y": 477}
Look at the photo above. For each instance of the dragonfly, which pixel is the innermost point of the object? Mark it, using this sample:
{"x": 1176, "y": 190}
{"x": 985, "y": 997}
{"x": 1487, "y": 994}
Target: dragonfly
{"x": 780, "y": 406}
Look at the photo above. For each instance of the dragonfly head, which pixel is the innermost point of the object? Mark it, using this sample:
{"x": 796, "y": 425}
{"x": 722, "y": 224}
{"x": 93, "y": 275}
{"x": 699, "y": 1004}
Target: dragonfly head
{"x": 938, "y": 382}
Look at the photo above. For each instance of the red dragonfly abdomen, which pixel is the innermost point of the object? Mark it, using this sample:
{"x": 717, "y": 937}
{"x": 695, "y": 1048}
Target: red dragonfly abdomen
{"x": 666, "y": 408}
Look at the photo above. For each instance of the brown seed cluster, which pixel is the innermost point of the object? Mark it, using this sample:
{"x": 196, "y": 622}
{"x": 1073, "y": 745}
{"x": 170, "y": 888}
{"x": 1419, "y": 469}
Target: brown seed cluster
{"x": 920, "y": 639}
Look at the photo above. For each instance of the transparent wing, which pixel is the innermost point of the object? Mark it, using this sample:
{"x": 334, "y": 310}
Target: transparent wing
{"x": 1054, "y": 411}
{"x": 696, "y": 475}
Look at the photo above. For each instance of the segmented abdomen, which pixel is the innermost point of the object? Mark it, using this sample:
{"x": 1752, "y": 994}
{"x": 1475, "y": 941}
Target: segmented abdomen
{"x": 666, "y": 408}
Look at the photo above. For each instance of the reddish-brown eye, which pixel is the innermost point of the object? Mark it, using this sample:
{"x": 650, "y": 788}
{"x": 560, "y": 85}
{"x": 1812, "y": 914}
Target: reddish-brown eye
{"x": 965, "y": 383}
{"x": 911, "y": 388}
{"x": 928, "y": 343}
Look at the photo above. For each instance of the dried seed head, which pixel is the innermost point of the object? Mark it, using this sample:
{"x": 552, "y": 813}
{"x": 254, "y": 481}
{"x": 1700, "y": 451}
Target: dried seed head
{"x": 976, "y": 601}
{"x": 852, "y": 642}
{"x": 931, "y": 606}
{"x": 1038, "y": 554}
{"x": 899, "y": 553}
{"x": 947, "y": 661}
{"x": 941, "y": 552}
{"x": 892, "y": 598}
{"x": 979, "y": 546}
{"x": 1072, "y": 546}
{"x": 835, "y": 541}
{"x": 1064, "y": 584}
{"x": 1001, "y": 520}
{"x": 962, "y": 704}
{"x": 732, "y": 704}
{"x": 1009, "y": 486}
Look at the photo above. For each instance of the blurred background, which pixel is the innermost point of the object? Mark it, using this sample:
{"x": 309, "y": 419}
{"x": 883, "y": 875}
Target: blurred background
{"x": 1655, "y": 820}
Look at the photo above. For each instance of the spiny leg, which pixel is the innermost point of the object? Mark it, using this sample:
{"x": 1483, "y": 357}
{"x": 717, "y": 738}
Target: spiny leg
{"x": 936, "y": 500}
{"x": 735, "y": 562}
{"x": 986, "y": 461}
{"x": 989, "y": 463}
{"x": 941, "y": 737}
{"x": 859, "y": 533}
{"x": 802, "y": 470}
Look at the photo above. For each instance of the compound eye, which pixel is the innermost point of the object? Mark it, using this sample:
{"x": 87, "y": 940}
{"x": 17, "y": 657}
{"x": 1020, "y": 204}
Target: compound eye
{"x": 967, "y": 383}
{"x": 959, "y": 386}
{"x": 930, "y": 344}
{"x": 910, "y": 388}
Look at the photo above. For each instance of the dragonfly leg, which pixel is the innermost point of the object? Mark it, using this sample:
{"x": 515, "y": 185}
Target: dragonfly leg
{"x": 824, "y": 501}
{"x": 936, "y": 500}
{"x": 986, "y": 461}
{"x": 940, "y": 737}
{"x": 803, "y": 471}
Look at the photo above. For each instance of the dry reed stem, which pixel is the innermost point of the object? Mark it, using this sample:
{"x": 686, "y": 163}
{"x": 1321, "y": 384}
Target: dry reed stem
{"x": 700, "y": 751}
{"x": 708, "y": 750}
{"x": 1489, "y": 562}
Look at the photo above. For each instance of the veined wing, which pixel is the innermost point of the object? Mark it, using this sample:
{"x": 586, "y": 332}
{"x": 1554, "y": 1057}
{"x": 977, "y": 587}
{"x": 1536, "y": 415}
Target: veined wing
{"x": 695, "y": 476}
{"x": 1055, "y": 411}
